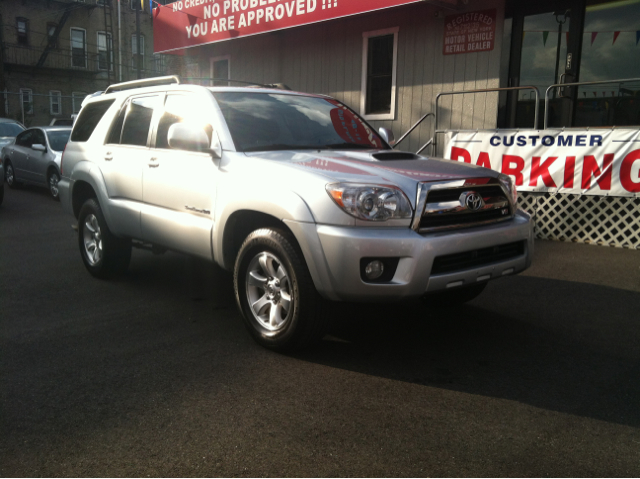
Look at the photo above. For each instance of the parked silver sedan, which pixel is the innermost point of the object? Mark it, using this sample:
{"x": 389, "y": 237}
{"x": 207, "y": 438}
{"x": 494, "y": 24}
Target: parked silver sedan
{"x": 34, "y": 157}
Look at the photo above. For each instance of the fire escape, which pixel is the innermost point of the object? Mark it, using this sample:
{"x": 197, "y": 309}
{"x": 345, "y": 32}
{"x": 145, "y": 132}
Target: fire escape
{"x": 67, "y": 9}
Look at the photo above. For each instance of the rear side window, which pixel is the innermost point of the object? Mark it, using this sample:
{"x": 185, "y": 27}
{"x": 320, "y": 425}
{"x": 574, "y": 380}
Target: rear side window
{"x": 116, "y": 128}
{"x": 138, "y": 120}
{"x": 88, "y": 119}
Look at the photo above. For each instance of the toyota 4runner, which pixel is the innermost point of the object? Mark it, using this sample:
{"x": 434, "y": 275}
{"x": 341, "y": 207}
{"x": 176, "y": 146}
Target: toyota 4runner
{"x": 294, "y": 193}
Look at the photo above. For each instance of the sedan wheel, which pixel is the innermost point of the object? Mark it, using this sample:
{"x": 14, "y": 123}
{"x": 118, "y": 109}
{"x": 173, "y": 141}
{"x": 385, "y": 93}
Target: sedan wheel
{"x": 54, "y": 178}
{"x": 9, "y": 175}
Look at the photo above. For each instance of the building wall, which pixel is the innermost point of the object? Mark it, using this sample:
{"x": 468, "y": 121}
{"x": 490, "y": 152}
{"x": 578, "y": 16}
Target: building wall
{"x": 327, "y": 58}
{"x": 18, "y": 66}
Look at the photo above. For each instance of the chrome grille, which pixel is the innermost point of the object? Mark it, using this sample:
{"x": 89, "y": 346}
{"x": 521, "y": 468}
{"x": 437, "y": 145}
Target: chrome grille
{"x": 445, "y": 207}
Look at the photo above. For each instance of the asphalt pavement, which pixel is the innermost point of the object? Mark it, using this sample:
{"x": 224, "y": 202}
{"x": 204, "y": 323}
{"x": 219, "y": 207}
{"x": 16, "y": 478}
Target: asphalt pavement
{"x": 154, "y": 374}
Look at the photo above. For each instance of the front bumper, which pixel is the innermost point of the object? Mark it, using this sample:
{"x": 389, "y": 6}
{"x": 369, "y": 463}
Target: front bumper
{"x": 333, "y": 255}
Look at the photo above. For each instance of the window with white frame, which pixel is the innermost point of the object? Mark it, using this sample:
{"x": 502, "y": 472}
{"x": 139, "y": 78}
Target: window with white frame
{"x": 55, "y": 102}
{"x": 379, "y": 64}
{"x": 26, "y": 96}
{"x": 105, "y": 51}
{"x": 76, "y": 100}
{"x": 79, "y": 47}
{"x": 134, "y": 52}
{"x": 220, "y": 69}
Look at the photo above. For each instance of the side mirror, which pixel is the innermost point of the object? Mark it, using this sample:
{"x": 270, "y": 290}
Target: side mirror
{"x": 387, "y": 135}
{"x": 38, "y": 147}
{"x": 184, "y": 136}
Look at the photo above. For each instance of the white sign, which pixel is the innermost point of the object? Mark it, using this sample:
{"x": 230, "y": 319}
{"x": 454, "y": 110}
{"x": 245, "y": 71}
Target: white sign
{"x": 592, "y": 162}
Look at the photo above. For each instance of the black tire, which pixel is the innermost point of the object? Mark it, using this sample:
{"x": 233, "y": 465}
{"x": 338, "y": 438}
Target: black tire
{"x": 103, "y": 254}
{"x": 454, "y": 297}
{"x": 300, "y": 323}
{"x": 10, "y": 175}
{"x": 52, "y": 182}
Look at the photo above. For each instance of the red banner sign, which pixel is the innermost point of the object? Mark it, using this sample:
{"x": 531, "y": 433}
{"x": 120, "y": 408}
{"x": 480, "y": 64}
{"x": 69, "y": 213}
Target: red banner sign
{"x": 188, "y": 23}
{"x": 469, "y": 32}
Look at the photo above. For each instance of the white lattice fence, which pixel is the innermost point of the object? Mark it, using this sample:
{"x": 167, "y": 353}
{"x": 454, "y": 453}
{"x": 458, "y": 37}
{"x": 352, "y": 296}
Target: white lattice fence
{"x": 603, "y": 220}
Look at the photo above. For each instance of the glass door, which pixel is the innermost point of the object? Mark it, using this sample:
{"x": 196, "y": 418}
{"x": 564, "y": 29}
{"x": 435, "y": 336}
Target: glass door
{"x": 541, "y": 44}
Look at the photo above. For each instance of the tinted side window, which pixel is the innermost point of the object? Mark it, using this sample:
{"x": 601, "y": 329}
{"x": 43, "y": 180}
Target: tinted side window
{"x": 38, "y": 138}
{"x": 116, "y": 128}
{"x": 177, "y": 109}
{"x": 138, "y": 120}
{"x": 88, "y": 119}
{"x": 24, "y": 138}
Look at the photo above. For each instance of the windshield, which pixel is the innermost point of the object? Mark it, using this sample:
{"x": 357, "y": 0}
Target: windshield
{"x": 10, "y": 129}
{"x": 58, "y": 139}
{"x": 272, "y": 121}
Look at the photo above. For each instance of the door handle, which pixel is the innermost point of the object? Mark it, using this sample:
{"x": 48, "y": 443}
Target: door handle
{"x": 28, "y": 157}
{"x": 153, "y": 165}
{"x": 152, "y": 162}
{"x": 108, "y": 156}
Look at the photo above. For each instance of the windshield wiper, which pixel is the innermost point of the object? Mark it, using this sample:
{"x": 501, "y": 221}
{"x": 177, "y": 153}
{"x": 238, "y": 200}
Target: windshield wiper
{"x": 348, "y": 146}
{"x": 280, "y": 146}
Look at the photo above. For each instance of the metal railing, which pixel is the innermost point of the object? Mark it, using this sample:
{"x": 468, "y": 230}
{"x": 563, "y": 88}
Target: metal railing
{"x": 577, "y": 84}
{"x": 534, "y": 89}
{"x": 413, "y": 128}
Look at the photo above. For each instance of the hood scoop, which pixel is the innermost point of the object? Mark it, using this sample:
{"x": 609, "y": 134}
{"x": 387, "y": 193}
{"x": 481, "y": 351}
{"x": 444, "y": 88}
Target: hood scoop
{"x": 395, "y": 155}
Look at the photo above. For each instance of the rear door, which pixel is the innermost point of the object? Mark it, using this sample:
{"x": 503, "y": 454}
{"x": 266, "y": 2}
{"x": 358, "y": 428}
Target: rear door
{"x": 123, "y": 157}
{"x": 179, "y": 185}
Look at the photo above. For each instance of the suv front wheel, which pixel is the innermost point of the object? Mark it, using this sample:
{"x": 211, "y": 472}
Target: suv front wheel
{"x": 275, "y": 293}
{"x": 103, "y": 254}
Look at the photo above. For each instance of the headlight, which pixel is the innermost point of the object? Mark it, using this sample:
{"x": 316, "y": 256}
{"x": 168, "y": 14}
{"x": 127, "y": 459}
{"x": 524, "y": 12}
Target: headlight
{"x": 370, "y": 202}
{"x": 507, "y": 182}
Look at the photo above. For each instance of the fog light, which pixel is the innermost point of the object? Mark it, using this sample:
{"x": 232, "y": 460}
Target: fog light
{"x": 374, "y": 269}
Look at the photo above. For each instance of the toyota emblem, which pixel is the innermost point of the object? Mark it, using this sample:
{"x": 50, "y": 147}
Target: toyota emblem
{"x": 471, "y": 200}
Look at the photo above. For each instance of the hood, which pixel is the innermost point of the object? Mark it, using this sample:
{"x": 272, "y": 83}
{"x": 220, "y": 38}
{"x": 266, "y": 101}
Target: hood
{"x": 7, "y": 140}
{"x": 401, "y": 169}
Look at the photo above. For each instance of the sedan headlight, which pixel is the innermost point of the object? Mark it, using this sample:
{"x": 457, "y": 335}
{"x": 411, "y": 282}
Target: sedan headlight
{"x": 508, "y": 183}
{"x": 370, "y": 202}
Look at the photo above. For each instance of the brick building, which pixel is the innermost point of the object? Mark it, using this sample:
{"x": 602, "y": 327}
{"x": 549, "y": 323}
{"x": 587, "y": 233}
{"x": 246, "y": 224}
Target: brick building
{"x": 55, "y": 52}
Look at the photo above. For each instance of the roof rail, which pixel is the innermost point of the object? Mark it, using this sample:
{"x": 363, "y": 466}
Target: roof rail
{"x": 167, "y": 80}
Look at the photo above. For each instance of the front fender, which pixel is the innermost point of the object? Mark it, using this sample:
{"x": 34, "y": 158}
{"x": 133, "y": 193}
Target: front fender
{"x": 282, "y": 205}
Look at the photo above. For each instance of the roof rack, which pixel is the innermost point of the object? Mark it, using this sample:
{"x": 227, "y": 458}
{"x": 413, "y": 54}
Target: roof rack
{"x": 166, "y": 80}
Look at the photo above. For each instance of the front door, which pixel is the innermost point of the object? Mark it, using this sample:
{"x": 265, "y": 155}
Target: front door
{"x": 37, "y": 163}
{"x": 179, "y": 186}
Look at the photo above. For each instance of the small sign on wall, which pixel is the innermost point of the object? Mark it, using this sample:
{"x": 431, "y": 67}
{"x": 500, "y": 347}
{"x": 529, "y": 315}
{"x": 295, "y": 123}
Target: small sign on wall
{"x": 469, "y": 32}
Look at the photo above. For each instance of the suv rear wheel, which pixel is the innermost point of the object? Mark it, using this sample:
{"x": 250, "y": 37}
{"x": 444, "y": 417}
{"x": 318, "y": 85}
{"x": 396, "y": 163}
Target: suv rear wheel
{"x": 275, "y": 293}
{"x": 103, "y": 254}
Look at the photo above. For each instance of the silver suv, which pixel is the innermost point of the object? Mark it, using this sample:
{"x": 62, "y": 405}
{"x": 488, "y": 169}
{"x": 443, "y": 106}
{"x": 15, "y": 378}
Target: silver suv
{"x": 294, "y": 193}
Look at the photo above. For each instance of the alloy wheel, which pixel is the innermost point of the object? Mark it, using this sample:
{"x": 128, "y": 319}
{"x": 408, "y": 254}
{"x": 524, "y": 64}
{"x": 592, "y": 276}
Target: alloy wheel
{"x": 53, "y": 184}
{"x": 92, "y": 236}
{"x": 268, "y": 290}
